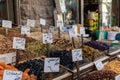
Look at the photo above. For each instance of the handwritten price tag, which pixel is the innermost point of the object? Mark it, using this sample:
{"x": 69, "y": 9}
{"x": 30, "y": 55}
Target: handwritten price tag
{"x": 6, "y": 24}
{"x": 77, "y": 55}
{"x": 59, "y": 23}
{"x": 19, "y": 43}
{"x": 99, "y": 64}
{"x": 30, "y": 23}
{"x": 117, "y": 77}
{"x": 82, "y": 30}
{"x": 73, "y": 31}
{"x": 25, "y": 30}
{"x": 47, "y": 38}
{"x": 12, "y": 75}
{"x": 52, "y": 64}
{"x": 43, "y": 22}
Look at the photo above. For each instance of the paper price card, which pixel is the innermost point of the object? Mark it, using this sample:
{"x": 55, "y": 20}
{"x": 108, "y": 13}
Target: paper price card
{"x": 73, "y": 31}
{"x": 30, "y": 23}
{"x": 117, "y": 77}
{"x": 12, "y": 75}
{"x": 77, "y": 55}
{"x": 6, "y": 24}
{"x": 25, "y": 30}
{"x": 82, "y": 30}
{"x": 43, "y": 22}
{"x": 51, "y": 64}
{"x": 59, "y": 23}
{"x": 99, "y": 64}
{"x": 19, "y": 43}
{"x": 47, "y": 38}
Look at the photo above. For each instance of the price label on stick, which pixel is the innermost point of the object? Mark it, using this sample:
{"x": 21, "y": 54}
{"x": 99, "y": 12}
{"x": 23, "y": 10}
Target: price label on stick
{"x": 47, "y": 38}
{"x": 51, "y": 64}
{"x": 77, "y": 55}
{"x": 43, "y": 22}
{"x": 25, "y": 30}
{"x": 73, "y": 31}
{"x": 30, "y": 23}
{"x": 99, "y": 64}
{"x": 117, "y": 77}
{"x": 12, "y": 75}
{"x": 59, "y": 23}
{"x": 82, "y": 30}
{"x": 6, "y": 24}
{"x": 19, "y": 43}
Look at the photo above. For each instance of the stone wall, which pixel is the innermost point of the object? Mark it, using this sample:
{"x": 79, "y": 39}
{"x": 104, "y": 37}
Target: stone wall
{"x": 36, "y": 9}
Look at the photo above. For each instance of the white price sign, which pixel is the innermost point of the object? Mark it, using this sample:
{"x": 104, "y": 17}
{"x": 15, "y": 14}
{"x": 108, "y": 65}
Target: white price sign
{"x": 19, "y": 43}
{"x": 43, "y": 22}
{"x": 47, "y": 38}
{"x": 51, "y": 64}
{"x": 77, "y": 55}
{"x": 59, "y": 23}
{"x": 12, "y": 75}
{"x": 30, "y": 23}
{"x": 73, "y": 31}
{"x": 6, "y": 24}
{"x": 82, "y": 30}
{"x": 25, "y": 30}
{"x": 117, "y": 77}
{"x": 99, "y": 65}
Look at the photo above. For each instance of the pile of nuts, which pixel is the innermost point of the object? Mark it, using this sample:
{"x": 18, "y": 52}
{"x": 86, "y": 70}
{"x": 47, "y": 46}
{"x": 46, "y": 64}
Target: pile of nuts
{"x": 5, "y": 45}
{"x": 113, "y": 66}
{"x": 100, "y": 75}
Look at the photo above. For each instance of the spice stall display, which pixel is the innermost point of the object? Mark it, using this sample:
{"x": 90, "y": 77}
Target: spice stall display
{"x": 89, "y": 54}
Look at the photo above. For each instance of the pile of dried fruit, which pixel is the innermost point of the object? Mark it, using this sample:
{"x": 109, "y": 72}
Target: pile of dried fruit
{"x": 37, "y": 47}
{"x": 28, "y": 39}
{"x": 63, "y": 44}
{"x": 25, "y": 75}
{"x": 35, "y": 66}
{"x": 98, "y": 45}
{"x": 26, "y": 55}
{"x": 12, "y": 30}
{"x": 5, "y": 45}
{"x": 100, "y": 75}
{"x": 90, "y": 53}
{"x": 65, "y": 58}
{"x": 113, "y": 66}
